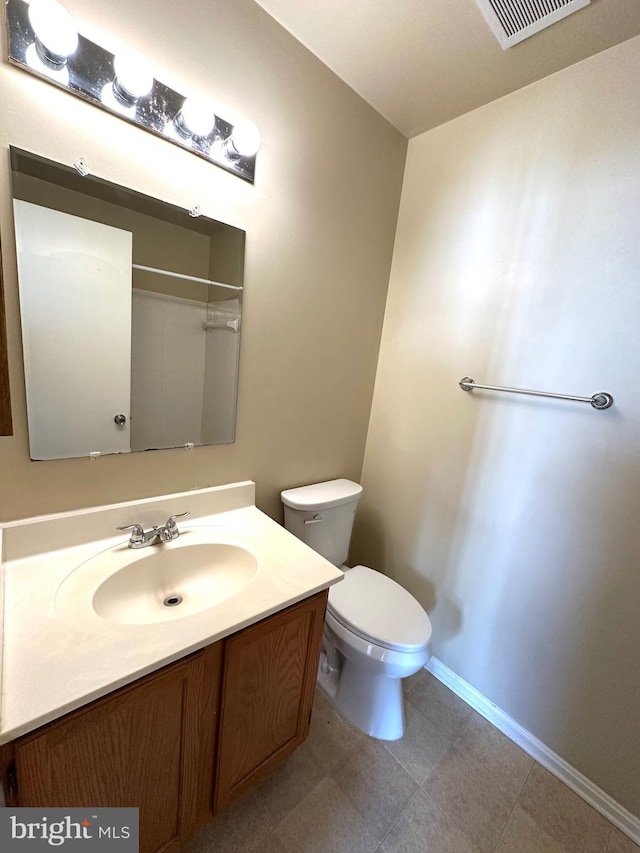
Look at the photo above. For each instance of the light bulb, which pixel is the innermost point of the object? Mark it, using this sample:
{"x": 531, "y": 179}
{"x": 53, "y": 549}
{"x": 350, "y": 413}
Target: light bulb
{"x": 196, "y": 118}
{"x": 55, "y": 30}
{"x": 245, "y": 139}
{"x": 134, "y": 78}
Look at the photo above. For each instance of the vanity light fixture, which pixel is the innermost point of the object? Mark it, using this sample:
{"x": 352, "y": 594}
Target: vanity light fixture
{"x": 132, "y": 81}
{"x": 55, "y": 38}
{"x": 133, "y": 76}
{"x": 196, "y": 118}
{"x": 56, "y": 35}
{"x": 244, "y": 140}
{"x": 43, "y": 39}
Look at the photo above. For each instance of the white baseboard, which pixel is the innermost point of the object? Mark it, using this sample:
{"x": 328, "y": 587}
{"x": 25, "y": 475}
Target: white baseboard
{"x": 596, "y": 797}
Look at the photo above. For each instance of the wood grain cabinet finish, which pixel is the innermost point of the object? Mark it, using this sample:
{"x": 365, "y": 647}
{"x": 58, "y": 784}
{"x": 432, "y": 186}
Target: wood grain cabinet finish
{"x": 267, "y": 695}
{"x": 149, "y": 745}
{"x": 180, "y": 743}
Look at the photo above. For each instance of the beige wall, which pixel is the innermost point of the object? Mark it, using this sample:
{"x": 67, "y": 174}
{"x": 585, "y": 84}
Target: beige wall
{"x": 515, "y": 520}
{"x": 320, "y": 223}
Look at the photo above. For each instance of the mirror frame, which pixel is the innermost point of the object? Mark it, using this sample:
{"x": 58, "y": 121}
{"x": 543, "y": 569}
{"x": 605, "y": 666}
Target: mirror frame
{"x": 6, "y": 424}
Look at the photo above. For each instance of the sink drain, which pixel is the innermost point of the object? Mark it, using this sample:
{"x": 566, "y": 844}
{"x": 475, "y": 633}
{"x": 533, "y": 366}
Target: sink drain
{"x": 172, "y": 600}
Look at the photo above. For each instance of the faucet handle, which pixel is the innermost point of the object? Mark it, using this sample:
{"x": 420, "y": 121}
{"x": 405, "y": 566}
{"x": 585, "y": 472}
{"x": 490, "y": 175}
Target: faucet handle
{"x": 171, "y": 521}
{"x": 138, "y": 532}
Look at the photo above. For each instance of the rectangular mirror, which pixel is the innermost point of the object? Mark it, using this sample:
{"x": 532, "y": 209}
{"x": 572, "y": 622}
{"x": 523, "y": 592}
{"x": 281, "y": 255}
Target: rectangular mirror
{"x": 131, "y": 313}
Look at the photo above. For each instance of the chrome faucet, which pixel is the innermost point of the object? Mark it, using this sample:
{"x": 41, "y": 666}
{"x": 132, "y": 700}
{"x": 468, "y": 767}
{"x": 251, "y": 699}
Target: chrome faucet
{"x": 166, "y": 533}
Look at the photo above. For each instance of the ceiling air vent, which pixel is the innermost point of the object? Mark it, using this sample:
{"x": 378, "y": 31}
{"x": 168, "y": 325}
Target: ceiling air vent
{"x": 515, "y": 20}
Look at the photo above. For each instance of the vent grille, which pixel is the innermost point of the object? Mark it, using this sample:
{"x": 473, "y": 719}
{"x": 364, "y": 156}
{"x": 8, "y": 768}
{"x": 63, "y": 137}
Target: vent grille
{"x": 513, "y": 21}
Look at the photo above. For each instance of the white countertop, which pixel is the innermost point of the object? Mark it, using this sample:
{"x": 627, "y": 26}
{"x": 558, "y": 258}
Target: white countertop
{"x": 51, "y": 666}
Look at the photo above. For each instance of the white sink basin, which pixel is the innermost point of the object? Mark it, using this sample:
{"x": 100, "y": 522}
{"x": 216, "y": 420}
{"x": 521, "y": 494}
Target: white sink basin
{"x": 200, "y": 569}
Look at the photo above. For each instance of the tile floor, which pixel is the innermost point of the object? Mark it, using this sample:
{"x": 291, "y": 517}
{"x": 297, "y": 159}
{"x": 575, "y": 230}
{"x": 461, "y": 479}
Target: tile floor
{"x": 453, "y": 784}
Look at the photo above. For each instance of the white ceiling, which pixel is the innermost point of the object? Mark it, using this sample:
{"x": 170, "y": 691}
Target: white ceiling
{"x": 423, "y": 62}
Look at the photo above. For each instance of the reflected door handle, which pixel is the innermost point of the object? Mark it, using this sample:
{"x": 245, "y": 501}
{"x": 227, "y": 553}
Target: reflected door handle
{"x": 120, "y": 420}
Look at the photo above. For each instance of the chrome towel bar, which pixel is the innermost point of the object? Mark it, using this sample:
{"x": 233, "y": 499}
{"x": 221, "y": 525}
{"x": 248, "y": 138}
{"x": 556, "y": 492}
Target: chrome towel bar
{"x": 601, "y": 400}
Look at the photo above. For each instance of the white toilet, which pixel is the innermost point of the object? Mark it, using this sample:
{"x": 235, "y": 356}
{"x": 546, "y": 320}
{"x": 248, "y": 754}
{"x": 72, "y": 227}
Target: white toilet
{"x": 376, "y": 633}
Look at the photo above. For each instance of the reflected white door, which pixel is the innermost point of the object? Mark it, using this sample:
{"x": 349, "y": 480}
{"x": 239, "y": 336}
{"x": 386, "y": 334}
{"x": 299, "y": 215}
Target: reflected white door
{"x": 75, "y": 301}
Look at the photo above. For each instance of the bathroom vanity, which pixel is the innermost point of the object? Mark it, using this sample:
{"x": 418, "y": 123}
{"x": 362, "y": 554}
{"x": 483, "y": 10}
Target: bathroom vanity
{"x": 177, "y": 715}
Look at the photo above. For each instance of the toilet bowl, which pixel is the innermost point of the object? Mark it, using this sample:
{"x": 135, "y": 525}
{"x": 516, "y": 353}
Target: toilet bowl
{"x": 376, "y": 633}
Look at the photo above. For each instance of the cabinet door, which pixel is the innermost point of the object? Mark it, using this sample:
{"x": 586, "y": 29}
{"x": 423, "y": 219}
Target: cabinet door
{"x": 269, "y": 678}
{"x": 141, "y": 746}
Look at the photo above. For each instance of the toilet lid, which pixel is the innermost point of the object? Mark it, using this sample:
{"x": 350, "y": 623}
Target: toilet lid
{"x": 378, "y": 609}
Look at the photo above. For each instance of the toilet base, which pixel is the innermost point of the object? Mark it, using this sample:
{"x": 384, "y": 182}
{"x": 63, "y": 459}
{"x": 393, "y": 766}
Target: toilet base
{"x": 372, "y": 703}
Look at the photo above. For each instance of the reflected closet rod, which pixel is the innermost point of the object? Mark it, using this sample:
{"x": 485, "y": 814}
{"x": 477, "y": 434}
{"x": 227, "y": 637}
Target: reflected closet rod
{"x": 186, "y": 277}
{"x": 601, "y": 400}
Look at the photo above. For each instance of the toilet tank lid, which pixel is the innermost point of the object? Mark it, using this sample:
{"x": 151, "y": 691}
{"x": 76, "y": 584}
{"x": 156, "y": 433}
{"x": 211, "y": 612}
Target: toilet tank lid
{"x": 322, "y": 495}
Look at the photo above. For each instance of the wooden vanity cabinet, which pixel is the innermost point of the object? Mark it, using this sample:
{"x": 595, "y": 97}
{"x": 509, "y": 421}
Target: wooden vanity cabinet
{"x": 267, "y": 695}
{"x": 146, "y": 745}
{"x": 180, "y": 743}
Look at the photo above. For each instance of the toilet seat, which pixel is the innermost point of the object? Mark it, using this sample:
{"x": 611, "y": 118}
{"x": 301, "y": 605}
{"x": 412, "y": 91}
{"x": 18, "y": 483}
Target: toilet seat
{"x": 378, "y": 610}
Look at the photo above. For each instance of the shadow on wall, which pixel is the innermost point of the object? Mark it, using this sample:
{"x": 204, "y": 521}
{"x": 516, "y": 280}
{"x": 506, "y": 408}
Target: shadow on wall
{"x": 412, "y": 517}
{"x": 599, "y": 674}
{"x": 526, "y": 566}
{"x": 371, "y": 549}
{"x": 542, "y": 553}
{"x": 542, "y": 563}
{"x": 514, "y": 520}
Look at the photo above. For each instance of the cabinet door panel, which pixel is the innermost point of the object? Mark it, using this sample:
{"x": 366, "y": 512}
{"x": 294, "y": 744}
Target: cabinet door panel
{"x": 132, "y": 749}
{"x": 268, "y": 684}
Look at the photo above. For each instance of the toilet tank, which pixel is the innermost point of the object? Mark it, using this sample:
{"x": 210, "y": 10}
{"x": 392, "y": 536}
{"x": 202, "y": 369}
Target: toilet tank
{"x": 322, "y": 516}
